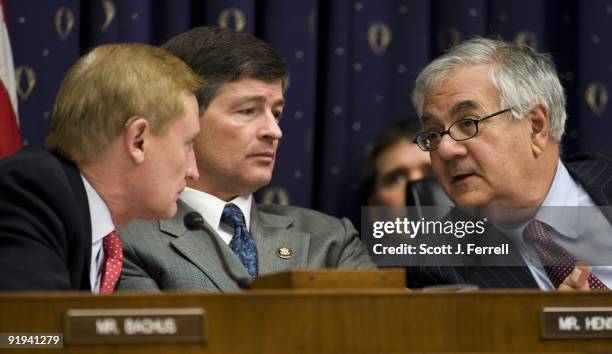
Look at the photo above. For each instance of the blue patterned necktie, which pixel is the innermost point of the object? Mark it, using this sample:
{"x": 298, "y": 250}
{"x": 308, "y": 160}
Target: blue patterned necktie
{"x": 242, "y": 242}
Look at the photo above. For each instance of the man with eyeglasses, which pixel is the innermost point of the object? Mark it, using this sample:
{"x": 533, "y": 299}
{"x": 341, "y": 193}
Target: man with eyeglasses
{"x": 493, "y": 116}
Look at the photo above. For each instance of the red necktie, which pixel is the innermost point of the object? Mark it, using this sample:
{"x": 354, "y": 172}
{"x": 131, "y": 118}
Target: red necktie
{"x": 557, "y": 261}
{"x": 111, "y": 271}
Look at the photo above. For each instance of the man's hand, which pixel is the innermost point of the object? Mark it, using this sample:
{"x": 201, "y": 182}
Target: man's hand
{"x": 578, "y": 279}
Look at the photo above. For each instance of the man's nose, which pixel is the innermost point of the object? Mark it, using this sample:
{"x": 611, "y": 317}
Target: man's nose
{"x": 270, "y": 128}
{"x": 449, "y": 149}
{"x": 192, "y": 167}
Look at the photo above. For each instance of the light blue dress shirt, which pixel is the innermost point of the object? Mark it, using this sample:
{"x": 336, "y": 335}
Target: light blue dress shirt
{"x": 584, "y": 229}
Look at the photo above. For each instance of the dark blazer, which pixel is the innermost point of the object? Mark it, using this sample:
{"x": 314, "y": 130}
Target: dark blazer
{"x": 45, "y": 227}
{"x": 164, "y": 255}
{"x": 592, "y": 171}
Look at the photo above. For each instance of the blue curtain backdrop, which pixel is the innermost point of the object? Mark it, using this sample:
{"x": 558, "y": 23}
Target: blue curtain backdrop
{"x": 352, "y": 62}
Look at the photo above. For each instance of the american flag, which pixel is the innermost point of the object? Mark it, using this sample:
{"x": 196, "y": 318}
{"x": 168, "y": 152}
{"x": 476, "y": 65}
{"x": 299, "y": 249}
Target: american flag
{"x": 10, "y": 136}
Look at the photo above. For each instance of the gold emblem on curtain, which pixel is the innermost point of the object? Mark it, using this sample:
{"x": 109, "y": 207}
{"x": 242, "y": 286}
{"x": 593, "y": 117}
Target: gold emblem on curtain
{"x": 596, "y": 96}
{"x": 528, "y": 38}
{"x": 275, "y": 195}
{"x": 379, "y": 37}
{"x": 448, "y": 38}
{"x": 109, "y": 12}
{"x": 25, "y": 74}
{"x": 236, "y": 14}
{"x": 64, "y": 22}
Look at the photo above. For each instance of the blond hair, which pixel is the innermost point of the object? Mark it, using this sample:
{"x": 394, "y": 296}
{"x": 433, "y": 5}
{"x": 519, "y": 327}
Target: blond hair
{"x": 107, "y": 88}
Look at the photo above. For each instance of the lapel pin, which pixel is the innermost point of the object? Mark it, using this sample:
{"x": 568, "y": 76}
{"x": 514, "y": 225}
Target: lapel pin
{"x": 284, "y": 252}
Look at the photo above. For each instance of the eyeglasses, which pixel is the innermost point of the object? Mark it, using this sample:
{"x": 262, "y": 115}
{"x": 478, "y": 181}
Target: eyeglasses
{"x": 461, "y": 130}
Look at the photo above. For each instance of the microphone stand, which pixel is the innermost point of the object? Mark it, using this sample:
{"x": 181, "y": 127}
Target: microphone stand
{"x": 194, "y": 221}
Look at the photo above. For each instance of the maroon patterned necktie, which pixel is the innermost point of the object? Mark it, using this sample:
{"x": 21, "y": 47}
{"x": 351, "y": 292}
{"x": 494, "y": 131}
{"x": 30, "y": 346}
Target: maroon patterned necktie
{"x": 557, "y": 261}
{"x": 111, "y": 271}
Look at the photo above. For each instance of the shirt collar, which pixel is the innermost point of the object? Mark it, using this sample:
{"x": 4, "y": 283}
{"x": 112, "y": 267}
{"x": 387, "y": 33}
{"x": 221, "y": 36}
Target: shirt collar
{"x": 559, "y": 207}
{"x": 554, "y": 211}
{"x": 211, "y": 207}
{"x": 101, "y": 221}
{"x": 562, "y": 192}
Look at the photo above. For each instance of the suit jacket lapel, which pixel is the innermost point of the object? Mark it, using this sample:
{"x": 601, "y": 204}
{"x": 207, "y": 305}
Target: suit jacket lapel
{"x": 76, "y": 182}
{"x": 494, "y": 271}
{"x": 271, "y": 232}
{"x": 593, "y": 173}
{"x": 197, "y": 247}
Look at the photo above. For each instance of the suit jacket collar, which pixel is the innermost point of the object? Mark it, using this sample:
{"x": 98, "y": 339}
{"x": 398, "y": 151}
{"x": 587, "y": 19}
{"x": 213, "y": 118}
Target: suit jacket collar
{"x": 491, "y": 271}
{"x": 76, "y": 183}
{"x": 270, "y": 231}
{"x": 593, "y": 172}
{"x": 197, "y": 247}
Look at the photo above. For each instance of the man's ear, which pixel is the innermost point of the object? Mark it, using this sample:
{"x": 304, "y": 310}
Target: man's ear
{"x": 137, "y": 135}
{"x": 539, "y": 118}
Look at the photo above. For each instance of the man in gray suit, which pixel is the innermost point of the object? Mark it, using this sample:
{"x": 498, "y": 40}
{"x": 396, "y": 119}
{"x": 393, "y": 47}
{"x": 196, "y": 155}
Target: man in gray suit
{"x": 241, "y": 104}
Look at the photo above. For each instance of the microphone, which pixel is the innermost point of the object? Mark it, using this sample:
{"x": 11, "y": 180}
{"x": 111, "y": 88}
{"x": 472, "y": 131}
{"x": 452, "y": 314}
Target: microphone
{"x": 194, "y": 221}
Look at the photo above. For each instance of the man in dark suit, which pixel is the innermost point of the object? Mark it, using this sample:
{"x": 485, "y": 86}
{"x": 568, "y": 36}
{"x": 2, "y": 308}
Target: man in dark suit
{"x": 241, "y": 105}
{"x": 120, "y": 147}
{"x": 494, "y": 115}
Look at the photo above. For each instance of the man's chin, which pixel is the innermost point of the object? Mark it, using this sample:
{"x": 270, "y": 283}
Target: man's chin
{"x": 259, "y": 179}
{"x": 471, "y": 200}
{"x": 168, "y": 213}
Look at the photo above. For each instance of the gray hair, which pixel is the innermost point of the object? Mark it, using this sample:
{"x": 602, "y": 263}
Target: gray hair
{"x": 523, "y": 77}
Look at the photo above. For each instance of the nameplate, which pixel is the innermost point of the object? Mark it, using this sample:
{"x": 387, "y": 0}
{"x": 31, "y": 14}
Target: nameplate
{"x": 576, "y": 322}
{"x": 147, "y": 325}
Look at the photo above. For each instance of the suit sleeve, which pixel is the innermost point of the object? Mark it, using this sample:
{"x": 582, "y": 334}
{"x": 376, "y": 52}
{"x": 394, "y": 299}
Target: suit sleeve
{"x": 354, "y": 253}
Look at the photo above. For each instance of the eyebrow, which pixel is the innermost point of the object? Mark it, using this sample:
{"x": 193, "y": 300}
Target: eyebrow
{"x": 463, "y": 106}
{"x": 426, "y": 117}
{"x": 457, "y": 108}
{"x": 258, "y": 99}
{"x": 280, "y": 102}
{"x": 394, "y": 171}
{"x": 246, "y": 99}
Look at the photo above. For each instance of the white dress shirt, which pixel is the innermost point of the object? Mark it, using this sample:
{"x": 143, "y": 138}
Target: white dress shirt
{"x": 211, "y": 209}
{"x": 101, "y": 225}
{"x": 584, "y": 230}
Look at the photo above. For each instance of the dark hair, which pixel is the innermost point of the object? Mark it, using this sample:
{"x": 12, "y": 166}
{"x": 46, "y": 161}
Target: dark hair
{"x": 223, "y": 55}
{"x": 406, "y": 129}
